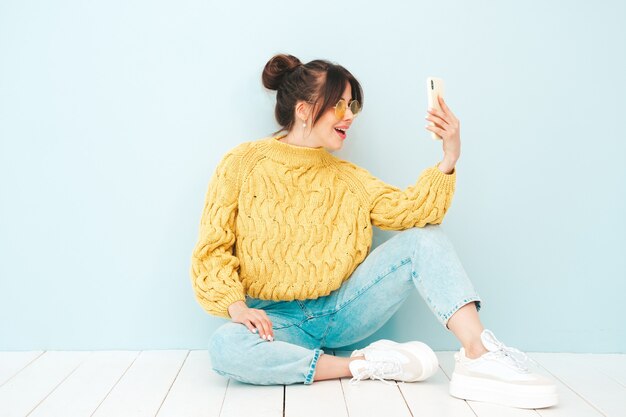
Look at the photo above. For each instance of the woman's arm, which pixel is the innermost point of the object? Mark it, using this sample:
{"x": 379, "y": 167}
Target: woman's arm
{"x": 447, "y": 165}
{"x": 449, "y": 128}
{"x": 392, "y": 208}
{"x": 214, "y": 267}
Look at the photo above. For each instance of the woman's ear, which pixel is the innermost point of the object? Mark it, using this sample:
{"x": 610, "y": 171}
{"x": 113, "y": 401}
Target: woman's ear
{"x": 302, "y": 110}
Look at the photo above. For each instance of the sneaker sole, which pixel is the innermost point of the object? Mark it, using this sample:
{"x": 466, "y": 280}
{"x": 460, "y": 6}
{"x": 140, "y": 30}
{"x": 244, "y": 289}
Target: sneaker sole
{"x": 499, "y": 392}
{"x": 428, "y": 369}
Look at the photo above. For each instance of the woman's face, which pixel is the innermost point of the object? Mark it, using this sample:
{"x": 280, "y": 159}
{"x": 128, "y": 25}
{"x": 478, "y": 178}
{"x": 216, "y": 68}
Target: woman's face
{"x": 325, "y": 133}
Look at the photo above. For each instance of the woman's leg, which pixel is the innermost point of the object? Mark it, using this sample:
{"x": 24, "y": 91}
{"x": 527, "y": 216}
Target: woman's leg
{"x": 466, "y": 326}
{"x": 417, "y": 258}
{"x": 290, "y": 358}
{"x": 332, "y": 367}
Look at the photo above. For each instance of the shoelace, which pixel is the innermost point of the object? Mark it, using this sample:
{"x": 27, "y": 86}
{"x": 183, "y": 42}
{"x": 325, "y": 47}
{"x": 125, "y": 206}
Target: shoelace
{"x": 379, "y": 370}
{"x": 516, "y": 359}
{"x": 514, "y": 356}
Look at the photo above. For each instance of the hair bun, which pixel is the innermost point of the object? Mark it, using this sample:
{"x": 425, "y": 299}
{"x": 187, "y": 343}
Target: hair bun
{"x": 277, "y": 68}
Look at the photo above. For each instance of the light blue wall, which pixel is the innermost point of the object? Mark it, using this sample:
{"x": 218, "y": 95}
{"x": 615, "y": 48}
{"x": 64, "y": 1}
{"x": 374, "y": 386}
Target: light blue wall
{"x": 113, "y": 116}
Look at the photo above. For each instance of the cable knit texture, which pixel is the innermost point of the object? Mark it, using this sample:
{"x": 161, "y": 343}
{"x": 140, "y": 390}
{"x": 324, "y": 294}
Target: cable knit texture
{"x": 285, "y": 222}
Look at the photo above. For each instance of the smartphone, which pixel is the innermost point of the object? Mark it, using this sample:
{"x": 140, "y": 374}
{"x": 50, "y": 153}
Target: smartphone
{"x": 434, "y": 89}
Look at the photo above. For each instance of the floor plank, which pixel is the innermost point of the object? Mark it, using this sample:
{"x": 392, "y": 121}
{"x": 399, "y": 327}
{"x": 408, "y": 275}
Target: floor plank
{"x": 198, "y": 390}
{"x": 244, "y": 400}
{"x": 570, "y": 403}
{"x": 145, "y": 384}
{"x": 611, "y": 364}
{"x": 430, "y": 398}
{"x": 482, "y": 409}
{"x": 321, "y": 398}
{"x": 81, "y": 392}
{"x": 600, "y": 390}
{"x": 23, "y": 392}
{"x": 13, "y": 362}
{"x": 372, "y": 398}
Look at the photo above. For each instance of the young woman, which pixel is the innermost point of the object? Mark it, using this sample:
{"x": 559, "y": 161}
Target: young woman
{"x": 284, "y": 253}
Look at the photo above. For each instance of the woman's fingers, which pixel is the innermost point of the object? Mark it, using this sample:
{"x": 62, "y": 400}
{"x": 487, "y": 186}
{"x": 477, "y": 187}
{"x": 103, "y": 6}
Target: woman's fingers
{"x": 269, "y": 331}
{"x": 437, "y": 130}
{"x": 445, "y": 123}
{"x": 438, "y": 126}
{"x": 268, "y": 324}
{"x": 258, "y": 322}
{"x": 264, "y": 325}
{"x": 438, "y": 118}
{"x": 259, "y": 325}
{"x": 446, "y": 109}
{"x": 249, "y": 325}
{"x": 253, "y": 324}
{"x": 266, "y": 331}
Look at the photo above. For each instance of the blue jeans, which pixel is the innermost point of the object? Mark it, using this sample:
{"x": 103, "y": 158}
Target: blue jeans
{"x": 419, "y": 257}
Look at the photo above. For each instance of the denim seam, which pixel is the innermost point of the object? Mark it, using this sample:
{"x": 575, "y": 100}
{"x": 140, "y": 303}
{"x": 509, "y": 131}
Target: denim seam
{"x": 309, "y": 378}
{"x": 305, "y": 310}
{"x": 403, "y": 262}
{"x": 321, "y": 314}
{"x": 311, "y": 315}
{"x": 283, "y": 327}
{"x": 426, "y": 295}
{"x": 330, "y": 324}
{"x": 301, "y": 322}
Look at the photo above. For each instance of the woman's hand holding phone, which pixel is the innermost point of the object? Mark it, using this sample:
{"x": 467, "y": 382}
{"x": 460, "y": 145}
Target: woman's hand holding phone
{"x": 254, "y": 319}
{"x": 447, "y": 126}
{"x": 443, "y": 124}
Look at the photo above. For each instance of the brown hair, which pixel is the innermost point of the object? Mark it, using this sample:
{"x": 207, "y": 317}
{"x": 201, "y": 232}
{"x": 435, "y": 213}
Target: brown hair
{"x": 318, "y": 82}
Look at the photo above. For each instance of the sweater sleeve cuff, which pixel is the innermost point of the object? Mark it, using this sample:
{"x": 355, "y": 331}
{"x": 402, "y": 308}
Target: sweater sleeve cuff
{"x": 229, "y": 298}
{"x": 441, "y": 180}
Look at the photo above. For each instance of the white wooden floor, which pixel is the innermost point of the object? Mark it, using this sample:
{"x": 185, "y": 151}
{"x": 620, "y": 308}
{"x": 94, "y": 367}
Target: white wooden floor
{"x": 180, "y": 383}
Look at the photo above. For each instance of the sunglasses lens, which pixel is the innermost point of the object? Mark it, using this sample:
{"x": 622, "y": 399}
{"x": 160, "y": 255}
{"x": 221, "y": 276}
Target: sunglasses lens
{"x": 355, "y": 107}
{"x": 340, "y": 109}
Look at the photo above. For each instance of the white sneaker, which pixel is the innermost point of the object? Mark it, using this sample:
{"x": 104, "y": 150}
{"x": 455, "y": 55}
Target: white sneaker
{"x": 386, "y": 359}
{"x": 500, "y": 376}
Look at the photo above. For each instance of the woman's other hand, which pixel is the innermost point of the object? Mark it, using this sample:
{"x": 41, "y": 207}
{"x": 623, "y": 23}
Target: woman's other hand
{"x": 448, "y": 127}
{"x": 254, "y": 319}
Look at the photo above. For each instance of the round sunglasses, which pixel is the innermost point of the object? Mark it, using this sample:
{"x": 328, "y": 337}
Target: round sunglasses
{"x": 342, "y": 106}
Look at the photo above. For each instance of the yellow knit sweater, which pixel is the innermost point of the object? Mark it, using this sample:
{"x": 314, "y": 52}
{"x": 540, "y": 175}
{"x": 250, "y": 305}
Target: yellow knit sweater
{"x": 285, "y": 222}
